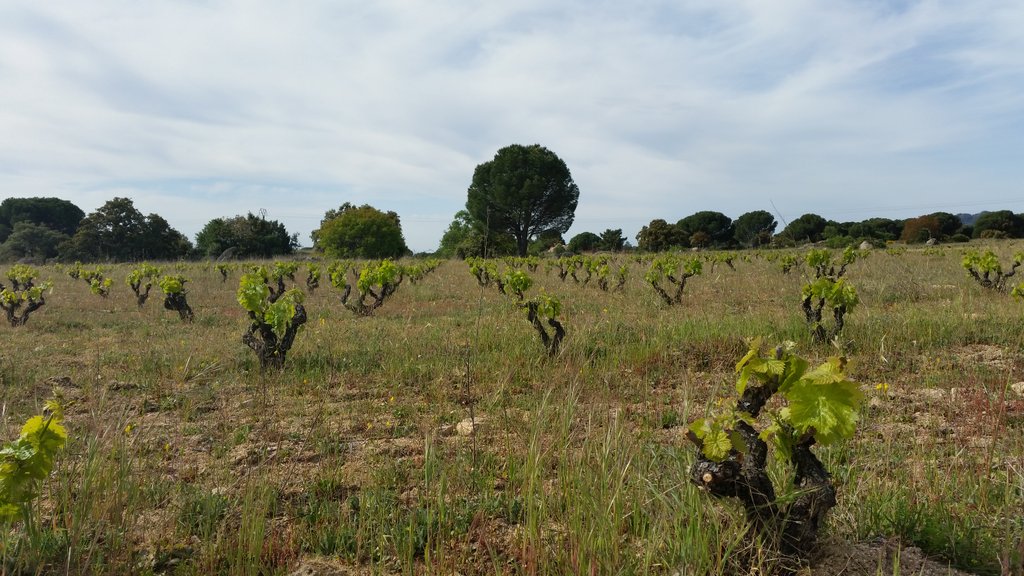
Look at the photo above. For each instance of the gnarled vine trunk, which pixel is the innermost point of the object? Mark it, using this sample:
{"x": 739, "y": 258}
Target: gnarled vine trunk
{"x": 790, "y": 528}
{"x": 270, "y": 349}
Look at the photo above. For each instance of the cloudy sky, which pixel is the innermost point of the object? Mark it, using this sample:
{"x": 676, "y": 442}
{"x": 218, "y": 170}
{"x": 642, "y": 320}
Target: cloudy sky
{"x": 198, "y": 109}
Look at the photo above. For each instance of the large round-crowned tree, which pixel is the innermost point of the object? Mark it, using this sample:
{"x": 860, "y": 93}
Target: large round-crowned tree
{"x": 363, "y": 232}
{"x": 524, "y": 190}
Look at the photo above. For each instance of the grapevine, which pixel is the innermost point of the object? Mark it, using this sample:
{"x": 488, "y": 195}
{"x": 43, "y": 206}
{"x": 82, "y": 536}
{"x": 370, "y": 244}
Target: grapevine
{"x": 828, "y": 288}
{"x": 375, "y": 284}
{"x": 621, "y": 276}
{"x": 515, "y": 281}
{"x": 175, "y": 296}
{"x": 275, "y": 319}
{"x": 24, "y": 292}
{"x": 224, "y": 268}
{"x": 987, "y": 271}
{"x": 417, "y": 272}
{"x": 141, "y": 280}
{"x": 26, "y": 462}
{"x": 546, "y": 308}
{"x": 98, "y": 283}
{"x": 483, "y": 270}
{"x": 312, "y": 276}
{"x": 667, "y": 268}
{"x": 540, "y": 309}
{"x": 821, "y": 407}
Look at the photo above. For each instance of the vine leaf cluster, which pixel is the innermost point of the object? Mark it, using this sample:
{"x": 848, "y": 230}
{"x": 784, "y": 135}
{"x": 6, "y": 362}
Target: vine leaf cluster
{"x": 141, "y": 281}
{"x": 540, "y": 310}
{"x": 176, "y": 297}
{"x": 275, "y": 316}
{"x": 375, "y": 283}
{"x": 23, "y": 292}
{"x": 819, "y": 407}
{"x": 828, "y": 289}
{"x": 987, "y": 271}
{"x": 668, "y": 268}
{"x": 26, "y": 462}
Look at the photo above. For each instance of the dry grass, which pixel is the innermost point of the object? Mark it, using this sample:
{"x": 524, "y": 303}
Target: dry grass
{"x": 185, "y": 459}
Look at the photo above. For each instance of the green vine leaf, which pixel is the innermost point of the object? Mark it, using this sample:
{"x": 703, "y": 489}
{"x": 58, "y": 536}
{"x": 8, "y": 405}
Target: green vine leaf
{"x": 824, "y": 404}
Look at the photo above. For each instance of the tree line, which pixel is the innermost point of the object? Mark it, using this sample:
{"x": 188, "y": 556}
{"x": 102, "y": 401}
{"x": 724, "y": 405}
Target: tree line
{"x": 757, "y": 229}
{"x": 520, "y": 202}
{"x": 40, "y": 229}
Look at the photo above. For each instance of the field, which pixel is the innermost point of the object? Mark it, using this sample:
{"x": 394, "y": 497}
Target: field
{"x": 437, "y": 437}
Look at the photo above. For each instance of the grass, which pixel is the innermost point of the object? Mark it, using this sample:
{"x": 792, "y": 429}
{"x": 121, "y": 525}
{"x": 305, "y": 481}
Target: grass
{"x": 183, "y": 458}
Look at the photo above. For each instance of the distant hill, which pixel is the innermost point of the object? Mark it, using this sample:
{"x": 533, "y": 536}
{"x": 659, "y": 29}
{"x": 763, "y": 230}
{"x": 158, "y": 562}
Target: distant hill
{"x": 968, "y": 219}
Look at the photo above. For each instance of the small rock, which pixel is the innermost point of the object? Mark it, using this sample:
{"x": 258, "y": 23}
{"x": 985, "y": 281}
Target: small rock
{"x": 980, "y": 442}
{"x": 61, "y": 381}
{"x": 1018, "y": 388}
{"x": 410, "y": 496}
{"x": 933, "y": 394}
{"x": 469, "y": 426}
{"x": 865, "y": 245}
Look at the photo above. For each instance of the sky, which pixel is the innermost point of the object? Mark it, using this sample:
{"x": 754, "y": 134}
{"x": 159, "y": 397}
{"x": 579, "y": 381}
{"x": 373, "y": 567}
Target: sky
{"x": 198, "y": 109}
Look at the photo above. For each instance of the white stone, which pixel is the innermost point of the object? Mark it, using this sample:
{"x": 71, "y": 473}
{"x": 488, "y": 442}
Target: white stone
{"x": 468, "y": 426}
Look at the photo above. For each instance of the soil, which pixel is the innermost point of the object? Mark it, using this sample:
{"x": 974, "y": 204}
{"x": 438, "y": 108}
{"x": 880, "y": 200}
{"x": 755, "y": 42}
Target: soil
{"x": 879, "y": 558}
{"x": 876, "y": 558}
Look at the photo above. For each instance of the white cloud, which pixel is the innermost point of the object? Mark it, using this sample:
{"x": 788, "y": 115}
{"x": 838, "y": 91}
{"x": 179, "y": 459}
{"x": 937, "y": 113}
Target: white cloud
{"x": 207, "y": 109}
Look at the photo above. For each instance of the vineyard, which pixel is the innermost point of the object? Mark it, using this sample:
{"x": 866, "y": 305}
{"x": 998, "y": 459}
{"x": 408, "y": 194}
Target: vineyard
{"x": 514, "y": 416}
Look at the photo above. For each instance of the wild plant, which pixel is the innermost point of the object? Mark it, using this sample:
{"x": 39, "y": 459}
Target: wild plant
{"x": 176, "y": 297}
{"x": 141, "y": 280}
{"x": 23, "y": 292}
{"x": 987, "y": 271}
{"x": 276, "y": 318}
{"x": 667, "y": 268}
{"x": 818, "y": 407}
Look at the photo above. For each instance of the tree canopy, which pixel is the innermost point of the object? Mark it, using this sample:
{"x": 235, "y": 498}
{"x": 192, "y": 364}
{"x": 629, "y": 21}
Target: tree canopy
{"x": 807, "y": 228}
{"x": 32, "y": 241}
{"x": 754, "y": 229}
{"x": 612, "y": 240}
{"x": 707, "y": 228}
{"x": 118, "y": 231}
{"x": 250, "y": 236}
{"x": 524, "y": 190}
{"x": 56, "y": 214}
{"x": 584, "y": 242}
{"x": 999, "y": 224}
{"x": 363, "y": 232}
{"x": 659, "y": 235}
